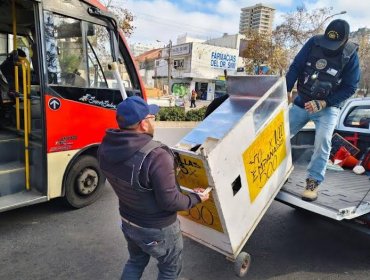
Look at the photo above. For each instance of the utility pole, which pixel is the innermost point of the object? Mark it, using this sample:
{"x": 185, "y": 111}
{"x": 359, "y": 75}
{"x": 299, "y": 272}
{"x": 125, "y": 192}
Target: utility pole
{"x": 169, "y": 67}
{"x": 329, "y": 17}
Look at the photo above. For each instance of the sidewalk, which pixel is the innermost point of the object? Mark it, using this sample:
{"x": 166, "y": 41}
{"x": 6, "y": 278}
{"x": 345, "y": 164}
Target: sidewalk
{"x": 199, "y": 103}
{"x": 175, "y": 124}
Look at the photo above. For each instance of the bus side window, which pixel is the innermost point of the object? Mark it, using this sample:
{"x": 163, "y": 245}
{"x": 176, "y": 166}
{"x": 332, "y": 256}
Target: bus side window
{"x": 64, "y": 51}
{"x": 52, "y": 62}
{"x": 99, "y": 55}
{"x": 78, "y": 54}
{"x": 70, "y": 62}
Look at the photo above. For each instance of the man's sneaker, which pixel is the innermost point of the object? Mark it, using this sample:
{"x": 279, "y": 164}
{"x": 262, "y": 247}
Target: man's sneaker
{"x": 310, "y": 193}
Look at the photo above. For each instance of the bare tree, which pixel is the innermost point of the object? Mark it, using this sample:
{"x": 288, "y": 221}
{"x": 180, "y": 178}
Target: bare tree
{"x": 125, "y": 17}
{"x": 302, "y": 24}
{"x": 364, "y": 56}
{"x": 277, "y": 49}
{"x": 297, "y": 27}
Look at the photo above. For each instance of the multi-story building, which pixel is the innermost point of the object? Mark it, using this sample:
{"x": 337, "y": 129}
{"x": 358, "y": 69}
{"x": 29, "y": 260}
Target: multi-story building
{"x": 256, "y": 18}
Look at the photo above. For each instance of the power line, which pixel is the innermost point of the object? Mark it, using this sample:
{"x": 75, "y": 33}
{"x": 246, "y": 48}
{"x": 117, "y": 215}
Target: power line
{"x": 174, "y": 25}
{"x": 171, "y": 23}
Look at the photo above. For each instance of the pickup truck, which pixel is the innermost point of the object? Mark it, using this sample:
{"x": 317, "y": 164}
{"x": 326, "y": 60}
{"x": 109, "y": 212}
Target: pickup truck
{"x": 343, "y": 196}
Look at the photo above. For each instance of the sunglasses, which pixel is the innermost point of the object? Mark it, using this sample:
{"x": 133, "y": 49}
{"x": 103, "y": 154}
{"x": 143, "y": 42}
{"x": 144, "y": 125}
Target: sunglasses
{"x": 150, "y": 117}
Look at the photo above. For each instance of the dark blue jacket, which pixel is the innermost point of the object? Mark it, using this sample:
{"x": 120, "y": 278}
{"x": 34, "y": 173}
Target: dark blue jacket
{"x": 348, "y": 86}
{"x": 152, "y": 209}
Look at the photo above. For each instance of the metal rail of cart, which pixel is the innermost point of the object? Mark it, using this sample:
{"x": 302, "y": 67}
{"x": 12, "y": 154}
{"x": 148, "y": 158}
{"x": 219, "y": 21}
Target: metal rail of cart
{"x": 241, "y": 150}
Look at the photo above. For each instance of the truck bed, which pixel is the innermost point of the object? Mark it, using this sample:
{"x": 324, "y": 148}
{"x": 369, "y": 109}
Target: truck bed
{"x": 343, "y": 194}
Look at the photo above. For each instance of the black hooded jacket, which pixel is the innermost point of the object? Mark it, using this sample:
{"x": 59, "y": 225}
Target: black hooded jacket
{"x": 151, "y": 209}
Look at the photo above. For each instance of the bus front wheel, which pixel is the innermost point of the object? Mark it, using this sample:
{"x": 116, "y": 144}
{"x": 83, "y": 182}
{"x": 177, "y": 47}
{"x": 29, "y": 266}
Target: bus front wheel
{"x": 84, "y": 182}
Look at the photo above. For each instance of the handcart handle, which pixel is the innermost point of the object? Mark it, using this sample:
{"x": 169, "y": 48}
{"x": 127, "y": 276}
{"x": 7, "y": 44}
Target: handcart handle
{"x": 206, "y": 191}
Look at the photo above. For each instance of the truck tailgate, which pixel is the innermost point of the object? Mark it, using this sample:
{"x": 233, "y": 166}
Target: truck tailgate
{"x": 340, "y": 195}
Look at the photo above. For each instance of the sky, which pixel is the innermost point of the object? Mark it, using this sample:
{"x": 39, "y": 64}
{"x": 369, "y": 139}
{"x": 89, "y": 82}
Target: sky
{"x": 164, "y": 20}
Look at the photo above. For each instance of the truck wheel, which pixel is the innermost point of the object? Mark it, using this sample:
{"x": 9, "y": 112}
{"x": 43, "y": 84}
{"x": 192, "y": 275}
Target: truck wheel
{"x": 242, "y": 264}
{"x": 84, "y": 182}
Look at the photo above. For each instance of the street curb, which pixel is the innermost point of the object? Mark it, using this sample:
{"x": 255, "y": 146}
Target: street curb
{"x": 174, "y": 124}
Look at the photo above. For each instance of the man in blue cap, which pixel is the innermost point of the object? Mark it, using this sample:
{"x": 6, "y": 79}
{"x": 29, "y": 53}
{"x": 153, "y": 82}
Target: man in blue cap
{"x": 327, "y": 70}
{"x": 142, "y": 174}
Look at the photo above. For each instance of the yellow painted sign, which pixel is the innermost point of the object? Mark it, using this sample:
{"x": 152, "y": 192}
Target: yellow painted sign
{"x": 192, "y": 174}
{"x": 264, "y": 155}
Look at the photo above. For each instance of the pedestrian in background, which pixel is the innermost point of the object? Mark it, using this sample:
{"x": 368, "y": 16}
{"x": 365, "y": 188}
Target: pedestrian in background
{"x": 328, "y": 73}
{"x": 142, "y": 174}
{"x": 193, "y": 97}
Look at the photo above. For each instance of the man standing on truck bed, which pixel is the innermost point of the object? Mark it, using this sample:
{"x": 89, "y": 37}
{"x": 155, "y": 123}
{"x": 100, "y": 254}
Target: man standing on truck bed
{"x": 142, "y": 174}
{"x": 327, "y": 71}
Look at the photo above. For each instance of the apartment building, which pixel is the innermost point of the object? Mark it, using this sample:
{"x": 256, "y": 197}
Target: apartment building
{"x": 256, "y": 18}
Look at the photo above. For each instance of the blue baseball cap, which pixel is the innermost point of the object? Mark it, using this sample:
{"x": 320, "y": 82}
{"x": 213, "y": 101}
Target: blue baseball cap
{"x": 133, "y": 110}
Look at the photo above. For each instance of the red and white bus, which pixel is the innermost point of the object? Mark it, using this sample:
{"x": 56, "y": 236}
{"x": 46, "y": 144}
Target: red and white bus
{"x": 57, "y": 97}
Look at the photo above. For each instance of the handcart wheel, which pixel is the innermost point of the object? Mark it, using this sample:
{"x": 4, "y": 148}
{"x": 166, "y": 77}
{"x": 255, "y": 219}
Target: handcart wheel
{"x": 242, "y": 264}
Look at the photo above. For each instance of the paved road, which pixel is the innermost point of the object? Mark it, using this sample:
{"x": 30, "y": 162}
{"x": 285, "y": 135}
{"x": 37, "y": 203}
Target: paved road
{"x": 49, "y": 241}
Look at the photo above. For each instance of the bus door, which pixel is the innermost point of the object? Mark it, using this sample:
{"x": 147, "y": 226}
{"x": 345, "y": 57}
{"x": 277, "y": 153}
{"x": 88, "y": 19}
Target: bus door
{"x": 22, "y": 161}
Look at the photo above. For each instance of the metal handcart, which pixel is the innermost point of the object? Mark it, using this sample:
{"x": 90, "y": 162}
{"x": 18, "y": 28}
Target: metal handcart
{"x": 242, "y": 151}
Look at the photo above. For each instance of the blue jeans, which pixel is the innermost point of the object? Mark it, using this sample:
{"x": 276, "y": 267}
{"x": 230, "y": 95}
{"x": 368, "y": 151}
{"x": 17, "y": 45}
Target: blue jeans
{"x": 325, "y": 122}
{"x": 164, "y": 244}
